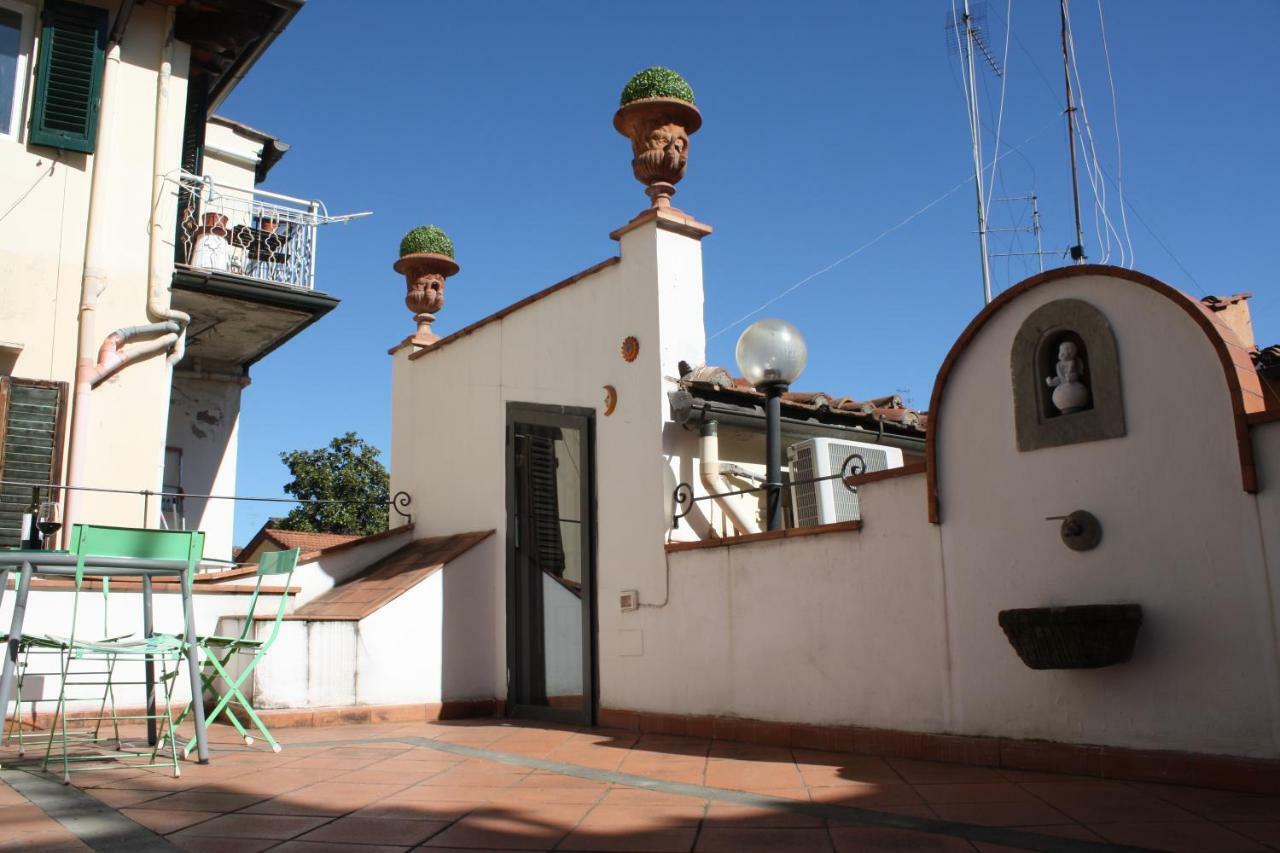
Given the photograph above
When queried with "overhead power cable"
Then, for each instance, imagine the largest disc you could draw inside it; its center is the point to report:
(885, 233)
(1115, 124)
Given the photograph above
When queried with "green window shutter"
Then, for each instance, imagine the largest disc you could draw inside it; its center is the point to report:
(73, 45)
(31, 426)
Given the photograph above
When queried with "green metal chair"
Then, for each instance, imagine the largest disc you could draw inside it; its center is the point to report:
(219, 651)
(166, 649)
(42, 645)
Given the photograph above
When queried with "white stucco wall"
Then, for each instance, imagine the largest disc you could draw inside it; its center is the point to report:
(411, 650)
(896, 625)
(1181, 538)
(204, 424)
(42, 261)
(834, 628)
(560, 350)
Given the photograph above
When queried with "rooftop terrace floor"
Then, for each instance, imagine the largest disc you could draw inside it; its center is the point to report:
(496, 784)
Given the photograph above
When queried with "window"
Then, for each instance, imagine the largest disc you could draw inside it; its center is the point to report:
(15, 48)
(73, 50)
(31, 428)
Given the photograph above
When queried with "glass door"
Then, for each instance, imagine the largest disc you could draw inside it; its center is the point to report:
(550, 563)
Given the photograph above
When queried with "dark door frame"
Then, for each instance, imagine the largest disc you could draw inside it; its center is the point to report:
(542, 414)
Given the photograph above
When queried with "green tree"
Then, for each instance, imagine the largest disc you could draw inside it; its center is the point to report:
(347, 470)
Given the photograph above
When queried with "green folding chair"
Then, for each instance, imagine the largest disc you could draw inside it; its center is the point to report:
(219, 651)
(165, 649)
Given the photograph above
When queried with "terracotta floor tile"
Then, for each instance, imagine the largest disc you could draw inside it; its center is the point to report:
(206, 801)
(919, 810)
(615, 841)
(866, 839)
(165, 821)
(745, 840)
(938, 772)
(433, 811)
(526, 794)
(335, 847)
(1070, 830)
(445, 794)
(734, 815)
(372, 830)
(546, 779)
(1181, 836)
(746, 775)
(324, 798)
(749, 751)
(974, 792)
(1216, 805)
(624, 796)
(378, 776)
(205, 844)
(1268, 832)
(504, 828)
(119, 797)
(849, 770)
(1000, 814)
(634, 818)
(867, 796)
(1106, 802)
(242, 825)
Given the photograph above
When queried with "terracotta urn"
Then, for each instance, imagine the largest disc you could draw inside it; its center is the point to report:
(424, 274)
(658, 116)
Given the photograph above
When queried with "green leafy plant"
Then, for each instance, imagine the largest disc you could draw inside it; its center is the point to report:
(347, 470)
(656, 82)
(426, 238)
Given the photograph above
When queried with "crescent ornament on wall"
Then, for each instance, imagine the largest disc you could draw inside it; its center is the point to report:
(610, 399)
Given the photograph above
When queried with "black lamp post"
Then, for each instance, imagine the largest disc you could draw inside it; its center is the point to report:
(771, 354)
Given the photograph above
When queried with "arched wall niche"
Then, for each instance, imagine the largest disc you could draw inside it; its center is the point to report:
(1094, 368)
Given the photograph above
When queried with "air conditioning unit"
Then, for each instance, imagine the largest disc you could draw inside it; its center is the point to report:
(828, 501)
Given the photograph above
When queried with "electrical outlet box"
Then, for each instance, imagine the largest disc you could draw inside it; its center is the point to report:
(630, 600)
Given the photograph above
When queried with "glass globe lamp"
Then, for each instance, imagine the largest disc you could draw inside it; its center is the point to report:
(771, 354)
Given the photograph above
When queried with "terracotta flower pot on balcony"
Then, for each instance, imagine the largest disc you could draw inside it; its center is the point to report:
(1086, 636)
(215, 223)
(658, 116)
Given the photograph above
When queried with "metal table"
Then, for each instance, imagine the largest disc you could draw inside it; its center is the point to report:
(63, 564)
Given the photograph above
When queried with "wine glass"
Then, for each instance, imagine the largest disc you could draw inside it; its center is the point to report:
(49, 521)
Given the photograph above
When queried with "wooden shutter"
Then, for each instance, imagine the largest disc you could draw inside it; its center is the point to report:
(73, 45)
(193, 133)
(544, 504)
(32, 416)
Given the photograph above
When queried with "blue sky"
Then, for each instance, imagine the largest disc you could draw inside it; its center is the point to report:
(825, 124)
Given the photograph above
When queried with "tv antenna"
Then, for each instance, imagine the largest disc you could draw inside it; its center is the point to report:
(966, 39)
(1034, 228)
(1077, 251)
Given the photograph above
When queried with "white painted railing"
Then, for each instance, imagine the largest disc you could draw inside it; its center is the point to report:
(253, 233)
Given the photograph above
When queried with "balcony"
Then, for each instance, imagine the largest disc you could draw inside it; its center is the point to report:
(246, 268)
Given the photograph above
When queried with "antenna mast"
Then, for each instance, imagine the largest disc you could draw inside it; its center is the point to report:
(975, 133)
(1077, 251)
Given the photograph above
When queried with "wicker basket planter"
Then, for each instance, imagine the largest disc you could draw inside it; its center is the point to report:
(1083, 637)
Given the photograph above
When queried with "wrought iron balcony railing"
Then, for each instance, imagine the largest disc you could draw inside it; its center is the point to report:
(253, 233)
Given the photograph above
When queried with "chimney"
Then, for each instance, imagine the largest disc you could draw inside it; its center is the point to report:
(1234, 311)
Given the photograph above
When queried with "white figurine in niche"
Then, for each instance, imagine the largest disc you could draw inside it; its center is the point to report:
(1070, 394)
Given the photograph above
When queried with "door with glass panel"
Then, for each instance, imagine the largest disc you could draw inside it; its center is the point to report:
(550, 562)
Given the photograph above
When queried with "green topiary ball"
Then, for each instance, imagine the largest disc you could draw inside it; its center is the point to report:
(656, 82)
(426, 238)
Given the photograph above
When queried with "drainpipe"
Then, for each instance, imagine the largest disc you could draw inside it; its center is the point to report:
(92, 283)
(157, 268)
(113, 356)
(713, 479)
